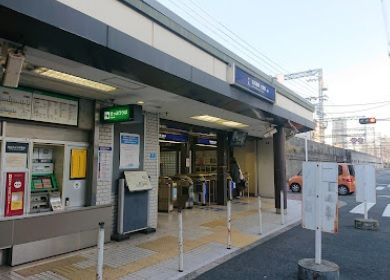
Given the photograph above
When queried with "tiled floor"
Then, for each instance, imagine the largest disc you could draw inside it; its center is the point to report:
(155, 256)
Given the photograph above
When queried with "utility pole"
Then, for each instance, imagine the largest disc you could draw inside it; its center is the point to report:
(320, 112)
(322, 124)
(386, 21)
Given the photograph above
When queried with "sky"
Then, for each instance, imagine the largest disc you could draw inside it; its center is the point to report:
(347, 39)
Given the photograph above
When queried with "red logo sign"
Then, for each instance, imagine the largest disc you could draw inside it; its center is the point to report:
(15, 187)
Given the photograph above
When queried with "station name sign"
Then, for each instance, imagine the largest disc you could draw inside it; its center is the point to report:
(117, 114)
(244, 80)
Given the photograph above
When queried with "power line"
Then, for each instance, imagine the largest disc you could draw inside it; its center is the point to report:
(278, 66)
(360, 104)
(254, 55)
(360, 110)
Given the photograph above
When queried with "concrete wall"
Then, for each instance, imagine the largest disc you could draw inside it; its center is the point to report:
(144, 29)
(295, 155)
(152, 33)
(266, 167)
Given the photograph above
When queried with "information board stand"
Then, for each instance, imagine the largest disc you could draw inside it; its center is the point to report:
(133, 203)
(320, 213)
(365, 193)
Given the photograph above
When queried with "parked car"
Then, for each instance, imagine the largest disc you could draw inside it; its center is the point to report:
(346, 180)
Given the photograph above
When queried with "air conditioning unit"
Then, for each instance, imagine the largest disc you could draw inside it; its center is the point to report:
(13, 69)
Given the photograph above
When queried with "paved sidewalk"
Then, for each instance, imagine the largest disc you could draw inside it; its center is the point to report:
(155, 256)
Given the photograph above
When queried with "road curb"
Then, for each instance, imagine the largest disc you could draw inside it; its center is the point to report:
(194, 274)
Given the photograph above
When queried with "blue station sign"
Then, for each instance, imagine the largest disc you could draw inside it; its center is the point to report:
(254, 85)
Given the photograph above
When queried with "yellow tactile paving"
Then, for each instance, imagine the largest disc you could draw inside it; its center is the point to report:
(30, 271)
(239, 239)
(163, 244)
(246, 213)
(215, 223)
(76, 274)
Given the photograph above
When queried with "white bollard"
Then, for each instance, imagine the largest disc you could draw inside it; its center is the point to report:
(229, 224)
(318, 245)
(260, 215)
(100, 248)
(181, 250)
(365, 210)
(282, 206)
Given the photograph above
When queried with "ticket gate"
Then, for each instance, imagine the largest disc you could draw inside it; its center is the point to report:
(185, 191)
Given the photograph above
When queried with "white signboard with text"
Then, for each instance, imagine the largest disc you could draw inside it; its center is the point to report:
(137, 181)
(129, 151)
(36, 106)
(15, 103)
(54, 110)
(365, 183)
(320, 196)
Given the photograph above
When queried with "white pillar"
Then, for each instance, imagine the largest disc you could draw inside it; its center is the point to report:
(100, 248)
(181, 251)
(229, 225)
(282, 206)
(306, 151)
(260, 215)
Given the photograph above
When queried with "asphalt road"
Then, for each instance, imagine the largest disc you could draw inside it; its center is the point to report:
(360, 254)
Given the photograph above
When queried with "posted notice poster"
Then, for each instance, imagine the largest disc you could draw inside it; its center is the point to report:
(15, 188)
(319, 196)
(129, 151)
(16, 155)
(105, 163)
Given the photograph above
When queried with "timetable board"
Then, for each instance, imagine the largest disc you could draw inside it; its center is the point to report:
(37, 106)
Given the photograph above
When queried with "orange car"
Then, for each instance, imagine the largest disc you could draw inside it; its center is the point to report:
(346, 180)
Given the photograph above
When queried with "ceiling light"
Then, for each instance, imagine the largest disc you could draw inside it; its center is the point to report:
(170, 141)
(207, 118)
(140, 102)
(50, 73)
(211, 119)
(204, 145)
(234, 124)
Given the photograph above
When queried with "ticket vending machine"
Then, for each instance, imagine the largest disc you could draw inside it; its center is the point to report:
(44, 176)
(133, 202)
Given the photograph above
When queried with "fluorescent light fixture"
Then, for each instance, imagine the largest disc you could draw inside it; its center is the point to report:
(207, 118)
(140, 102)
(211, 119)
(204, 145)
(233, 124)
(53, 74)
(170, 141)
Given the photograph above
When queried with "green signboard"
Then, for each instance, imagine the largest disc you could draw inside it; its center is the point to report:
(117, 114)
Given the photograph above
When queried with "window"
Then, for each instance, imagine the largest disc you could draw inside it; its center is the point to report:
(351, 170)
(340, 170)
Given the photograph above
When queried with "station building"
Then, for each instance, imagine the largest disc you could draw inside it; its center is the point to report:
(94, 92)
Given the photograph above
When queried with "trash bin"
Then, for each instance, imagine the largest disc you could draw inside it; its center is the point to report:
(167, 194)
(185, 192)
